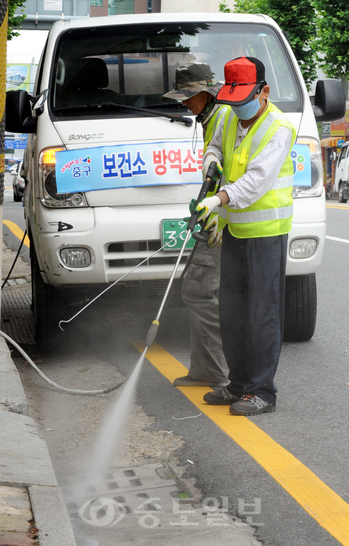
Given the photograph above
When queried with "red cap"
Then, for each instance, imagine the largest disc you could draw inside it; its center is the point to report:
(244, 76)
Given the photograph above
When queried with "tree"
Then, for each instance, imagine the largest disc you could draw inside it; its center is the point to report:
(14, 21)
(333, 39)
(298, 20)
(223, 6)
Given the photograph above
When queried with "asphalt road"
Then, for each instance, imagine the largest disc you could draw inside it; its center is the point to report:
(285, 473)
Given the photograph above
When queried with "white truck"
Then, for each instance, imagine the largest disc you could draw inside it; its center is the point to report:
(341, 175)
(111, 168)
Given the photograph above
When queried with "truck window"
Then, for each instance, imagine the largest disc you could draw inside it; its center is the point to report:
(134, 65)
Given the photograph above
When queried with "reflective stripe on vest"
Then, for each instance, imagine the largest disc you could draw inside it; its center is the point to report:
(264, 215)
(282, 183)
(261, 131)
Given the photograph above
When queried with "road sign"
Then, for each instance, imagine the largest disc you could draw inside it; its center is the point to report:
(16, 143)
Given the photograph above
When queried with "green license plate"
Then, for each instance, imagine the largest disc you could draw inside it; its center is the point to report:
(170, 229)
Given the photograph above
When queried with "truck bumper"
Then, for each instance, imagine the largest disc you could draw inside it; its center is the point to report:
(117, 239)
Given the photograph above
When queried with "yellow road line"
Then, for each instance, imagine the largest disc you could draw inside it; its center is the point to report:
(323, 504)
(17, 231)
(337, 207)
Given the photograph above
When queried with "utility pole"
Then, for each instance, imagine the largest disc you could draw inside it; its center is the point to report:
(3, 46)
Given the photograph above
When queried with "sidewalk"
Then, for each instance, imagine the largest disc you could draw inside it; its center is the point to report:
(32, 510)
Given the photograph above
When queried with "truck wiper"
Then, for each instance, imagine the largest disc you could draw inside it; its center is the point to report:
(188, 122)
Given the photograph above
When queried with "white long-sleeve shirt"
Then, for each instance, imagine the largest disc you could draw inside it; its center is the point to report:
(261, 172)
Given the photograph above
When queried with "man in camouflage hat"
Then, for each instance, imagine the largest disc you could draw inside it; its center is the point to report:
(196, 87)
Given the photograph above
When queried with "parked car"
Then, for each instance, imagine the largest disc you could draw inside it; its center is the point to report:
(341, 177)
(18, 182)
(13, 169)
(12, 165)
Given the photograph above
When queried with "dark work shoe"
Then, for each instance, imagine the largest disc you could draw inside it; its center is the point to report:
(188, 381)
(249, 404)
(220, 397)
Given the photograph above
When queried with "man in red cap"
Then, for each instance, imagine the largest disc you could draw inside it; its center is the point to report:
(253, 143)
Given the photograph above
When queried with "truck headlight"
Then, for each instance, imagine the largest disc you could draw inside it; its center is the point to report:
(74, 257)
(315, 182)
(48, 187)
(302, 248)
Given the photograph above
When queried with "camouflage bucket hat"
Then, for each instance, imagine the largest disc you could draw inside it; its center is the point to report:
(191, 79)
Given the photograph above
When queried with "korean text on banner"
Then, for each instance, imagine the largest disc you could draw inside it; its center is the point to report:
(128, 166)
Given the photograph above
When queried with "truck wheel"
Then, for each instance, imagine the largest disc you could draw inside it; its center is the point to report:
(48, 310)
(15, 195)
(300, 308)
(340, 195)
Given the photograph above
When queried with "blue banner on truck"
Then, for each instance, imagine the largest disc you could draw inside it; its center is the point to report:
(128, 166)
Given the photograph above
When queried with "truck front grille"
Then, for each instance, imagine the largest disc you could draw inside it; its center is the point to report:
(128, 254)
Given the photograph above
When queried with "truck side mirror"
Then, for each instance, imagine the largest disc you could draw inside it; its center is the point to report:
(333, 156)
(330, 101)
(19, 117)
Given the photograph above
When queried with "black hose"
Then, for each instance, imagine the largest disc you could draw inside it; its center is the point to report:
(15, 260)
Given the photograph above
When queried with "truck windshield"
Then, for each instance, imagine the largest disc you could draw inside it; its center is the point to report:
(134, 65)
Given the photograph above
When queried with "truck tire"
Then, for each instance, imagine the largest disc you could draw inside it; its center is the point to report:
(340, 194)
(48, 309)
(16, 197)
(300, 307)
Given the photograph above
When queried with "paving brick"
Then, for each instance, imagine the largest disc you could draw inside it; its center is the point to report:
(16, 539)
(15, 512)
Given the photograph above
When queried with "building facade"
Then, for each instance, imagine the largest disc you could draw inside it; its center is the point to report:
(192, 6)
(99, 8)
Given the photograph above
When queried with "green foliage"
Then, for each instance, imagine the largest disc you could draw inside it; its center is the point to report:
(333, 39)
(224, 7)
(298, 20)
(14, 21)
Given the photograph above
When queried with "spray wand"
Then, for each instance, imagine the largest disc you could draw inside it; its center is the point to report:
(208, 185)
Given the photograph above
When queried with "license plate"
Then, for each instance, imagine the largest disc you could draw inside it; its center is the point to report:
(171, 229)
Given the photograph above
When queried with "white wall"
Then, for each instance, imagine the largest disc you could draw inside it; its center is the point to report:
(175, 6)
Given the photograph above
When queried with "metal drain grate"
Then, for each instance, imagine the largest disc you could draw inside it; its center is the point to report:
(17, 319)
(130, 487)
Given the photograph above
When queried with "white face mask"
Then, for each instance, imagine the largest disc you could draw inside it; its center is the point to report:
(247, 111)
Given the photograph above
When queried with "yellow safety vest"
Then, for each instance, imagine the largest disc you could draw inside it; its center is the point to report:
(272, 214)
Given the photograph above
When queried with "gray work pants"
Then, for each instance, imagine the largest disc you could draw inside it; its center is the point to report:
(252, 309)
(200, 293)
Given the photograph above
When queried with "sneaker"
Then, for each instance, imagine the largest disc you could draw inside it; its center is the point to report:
(221, 397)
(249, 404)
(188, 381)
